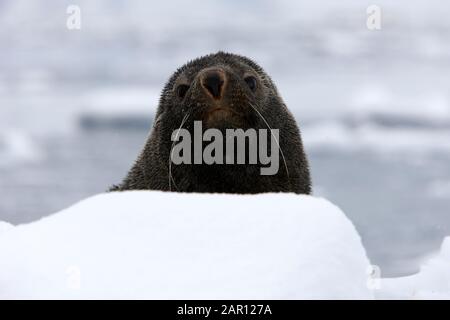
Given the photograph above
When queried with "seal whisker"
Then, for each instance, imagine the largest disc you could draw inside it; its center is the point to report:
(171, 180)
(276, 140)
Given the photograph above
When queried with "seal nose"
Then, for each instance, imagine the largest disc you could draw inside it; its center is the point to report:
(213, 81)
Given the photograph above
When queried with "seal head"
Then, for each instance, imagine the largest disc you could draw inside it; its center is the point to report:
(222, 91)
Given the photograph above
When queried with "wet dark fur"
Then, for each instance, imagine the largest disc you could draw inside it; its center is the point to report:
(151, 169)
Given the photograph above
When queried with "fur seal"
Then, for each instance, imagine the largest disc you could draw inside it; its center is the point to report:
(222, 90)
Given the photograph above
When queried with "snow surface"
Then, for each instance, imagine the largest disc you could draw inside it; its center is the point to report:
(4, 227)
(186, 246)
(156, 245)
(432, 282)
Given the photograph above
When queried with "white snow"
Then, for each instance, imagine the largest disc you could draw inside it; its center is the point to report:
(156, 245)
(432, 282)
(186, 246)
(4, 227)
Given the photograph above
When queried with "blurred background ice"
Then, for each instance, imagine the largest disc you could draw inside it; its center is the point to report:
(373, 106)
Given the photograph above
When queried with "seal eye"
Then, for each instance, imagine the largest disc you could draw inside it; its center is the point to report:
(251, 82)
(181, 90)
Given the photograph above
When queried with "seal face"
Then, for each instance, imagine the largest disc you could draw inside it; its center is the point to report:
(222, 91)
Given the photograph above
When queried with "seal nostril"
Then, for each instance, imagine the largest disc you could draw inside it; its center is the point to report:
(213, 82)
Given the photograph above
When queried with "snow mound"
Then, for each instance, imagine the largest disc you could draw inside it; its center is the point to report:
(432, 282)
(159, 245)
(4, 227)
